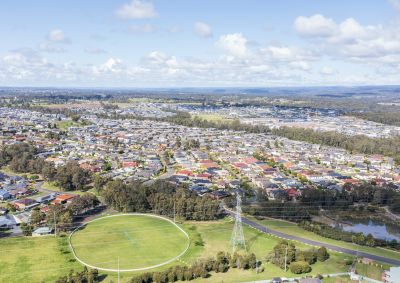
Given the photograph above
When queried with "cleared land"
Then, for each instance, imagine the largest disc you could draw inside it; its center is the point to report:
(137, 241)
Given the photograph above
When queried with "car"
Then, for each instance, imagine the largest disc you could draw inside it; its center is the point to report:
(276, 280)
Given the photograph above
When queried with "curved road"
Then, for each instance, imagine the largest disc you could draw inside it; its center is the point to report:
(395, 262)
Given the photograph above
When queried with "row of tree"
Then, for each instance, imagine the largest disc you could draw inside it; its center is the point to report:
(286, 255)
(161, 197)
(85, 276)
(201, 269)
(368, 193)
(290, 211)
(351, 237)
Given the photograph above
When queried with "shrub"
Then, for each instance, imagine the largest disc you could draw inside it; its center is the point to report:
(299, 267)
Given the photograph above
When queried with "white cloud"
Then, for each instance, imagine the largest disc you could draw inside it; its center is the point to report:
(203, 29)
(327, 71)
(300, 65)
(350, 40)
(111, 66)
(281, 53)
(57, 35)
(137, 9)
(316, 25)
(146, 28)
(235, 44)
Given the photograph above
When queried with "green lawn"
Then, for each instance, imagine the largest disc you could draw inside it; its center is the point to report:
(371, 271)
(138, 241)
(35, 259)
(63, 125)
(213, 117)
(48, 258)
(293, 229)
(216, 236)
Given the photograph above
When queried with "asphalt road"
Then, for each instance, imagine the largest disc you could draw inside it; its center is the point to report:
(166, 175)
(395, 262)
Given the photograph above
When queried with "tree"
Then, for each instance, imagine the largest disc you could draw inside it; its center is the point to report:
(37, 217)
(322, 254)
(299, 267)
(63, 217)
(75, 118)
(26, 229)
(284, 251)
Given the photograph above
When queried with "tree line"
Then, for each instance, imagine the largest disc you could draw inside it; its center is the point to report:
(380, 116)
(367, 193)
(351, 237)
(221, 263)
(161, 197)
(290, 211)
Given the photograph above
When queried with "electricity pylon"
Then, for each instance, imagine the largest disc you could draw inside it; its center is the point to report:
(237, 239)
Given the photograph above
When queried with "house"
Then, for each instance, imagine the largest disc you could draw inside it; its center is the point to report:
(7, 221)
(3, 211)
(128, 164)
(46, 198)
(220, 194)
(25, 203)
(42, 231)
(63, 199)
(4, 195)
(185, 173)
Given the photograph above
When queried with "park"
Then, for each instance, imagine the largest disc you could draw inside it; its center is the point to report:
(128, 242)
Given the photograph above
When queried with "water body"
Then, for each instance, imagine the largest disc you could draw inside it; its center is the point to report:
(377, 229)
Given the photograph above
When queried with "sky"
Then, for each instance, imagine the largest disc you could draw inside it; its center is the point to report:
(192, 43)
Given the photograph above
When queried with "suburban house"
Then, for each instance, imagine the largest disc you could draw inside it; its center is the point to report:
(4, 195)
(42, 231)
(25, 203)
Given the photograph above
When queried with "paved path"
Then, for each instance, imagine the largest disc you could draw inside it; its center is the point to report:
(395, 262)
(38, 186)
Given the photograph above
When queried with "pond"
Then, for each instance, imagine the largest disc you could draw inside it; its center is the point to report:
(378, 230)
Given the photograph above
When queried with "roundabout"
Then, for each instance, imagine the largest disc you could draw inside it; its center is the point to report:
(128, 242)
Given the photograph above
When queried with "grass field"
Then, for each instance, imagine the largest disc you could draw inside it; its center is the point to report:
(213, 117)
(35, 259)
(66, 124)
(216, 236)
(371, 271)
(44, 259)
(138, 241)
(293, 229)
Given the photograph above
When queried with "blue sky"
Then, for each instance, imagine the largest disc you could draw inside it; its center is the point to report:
(169, 43)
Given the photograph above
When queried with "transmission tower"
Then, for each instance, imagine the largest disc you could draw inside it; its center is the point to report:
(237, 239)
